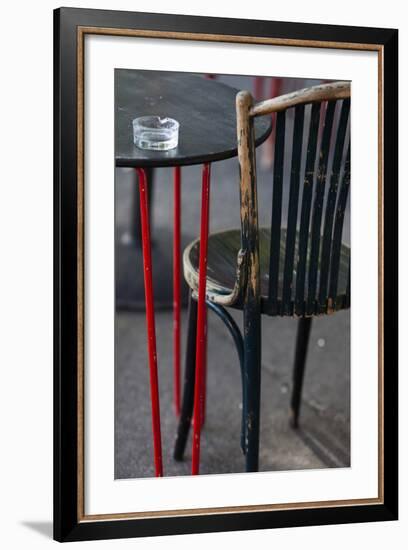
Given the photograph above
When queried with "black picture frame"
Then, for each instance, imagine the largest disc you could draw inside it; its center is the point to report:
(67, 523)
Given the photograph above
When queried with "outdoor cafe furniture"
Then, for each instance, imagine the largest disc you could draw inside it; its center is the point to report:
(205, 110)
(295, 267)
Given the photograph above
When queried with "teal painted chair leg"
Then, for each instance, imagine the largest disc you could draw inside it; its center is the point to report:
(302, 342)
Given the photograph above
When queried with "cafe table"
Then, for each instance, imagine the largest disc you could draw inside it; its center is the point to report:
(205, 110)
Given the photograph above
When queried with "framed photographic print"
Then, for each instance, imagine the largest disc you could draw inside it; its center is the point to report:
(225, 274)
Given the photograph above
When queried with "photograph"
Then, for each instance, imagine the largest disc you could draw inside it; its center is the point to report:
(273, 398)
(225, 307)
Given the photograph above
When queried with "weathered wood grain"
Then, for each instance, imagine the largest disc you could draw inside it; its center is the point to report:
(315, 94)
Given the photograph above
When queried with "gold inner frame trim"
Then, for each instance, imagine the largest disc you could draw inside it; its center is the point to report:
(81, 32)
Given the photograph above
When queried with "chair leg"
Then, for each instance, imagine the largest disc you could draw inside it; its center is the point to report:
(233, 329)
(189, 377)
(252, 390)
(302, 341)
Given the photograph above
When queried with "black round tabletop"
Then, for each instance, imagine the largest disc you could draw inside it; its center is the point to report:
(204, 108)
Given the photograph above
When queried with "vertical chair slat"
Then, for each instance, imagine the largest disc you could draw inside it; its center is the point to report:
(305, 213)
(330, 206)
(318, 207)
(338, 230)
(276, 212)
(292, 210)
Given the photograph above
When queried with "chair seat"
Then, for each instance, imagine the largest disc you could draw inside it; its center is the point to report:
(223, 248)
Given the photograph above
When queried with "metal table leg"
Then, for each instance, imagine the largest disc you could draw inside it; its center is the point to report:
(201, 319)
(150, 321)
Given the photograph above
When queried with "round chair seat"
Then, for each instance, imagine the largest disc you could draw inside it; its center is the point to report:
(223, 248)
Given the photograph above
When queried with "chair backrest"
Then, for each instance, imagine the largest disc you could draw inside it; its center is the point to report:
(304, 276)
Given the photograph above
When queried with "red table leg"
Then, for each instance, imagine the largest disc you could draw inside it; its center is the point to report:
(204, 381)
(201, 318)
(276, 88)
(177, 287)
(258, 88)
(150, 322)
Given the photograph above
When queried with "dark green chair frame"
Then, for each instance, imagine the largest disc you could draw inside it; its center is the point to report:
(304, 278)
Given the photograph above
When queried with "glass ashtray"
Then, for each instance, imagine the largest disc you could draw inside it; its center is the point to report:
(155, 133)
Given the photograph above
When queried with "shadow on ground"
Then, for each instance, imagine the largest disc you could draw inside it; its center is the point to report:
(44, 528)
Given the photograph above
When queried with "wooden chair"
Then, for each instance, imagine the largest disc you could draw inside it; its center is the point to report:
(295, 267)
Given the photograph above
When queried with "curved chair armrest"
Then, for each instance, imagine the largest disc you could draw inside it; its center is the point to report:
(218, 297)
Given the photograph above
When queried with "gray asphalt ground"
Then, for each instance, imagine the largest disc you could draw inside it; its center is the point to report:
(323, 439)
